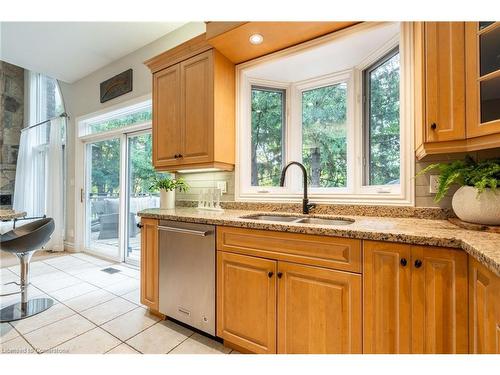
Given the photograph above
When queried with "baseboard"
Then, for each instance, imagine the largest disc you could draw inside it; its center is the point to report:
(70, 247)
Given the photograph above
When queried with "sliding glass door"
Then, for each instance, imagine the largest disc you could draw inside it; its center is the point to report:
(140, 178)
(103, 197)
(119, 175)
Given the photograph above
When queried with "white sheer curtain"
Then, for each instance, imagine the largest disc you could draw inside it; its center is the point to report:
(40, 176)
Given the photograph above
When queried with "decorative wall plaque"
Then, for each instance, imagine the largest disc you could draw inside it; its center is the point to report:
(116, 86)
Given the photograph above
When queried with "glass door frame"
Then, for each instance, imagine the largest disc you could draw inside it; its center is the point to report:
(123, 134)
(127, 170)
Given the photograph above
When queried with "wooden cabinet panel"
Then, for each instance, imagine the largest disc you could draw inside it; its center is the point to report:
(445, 81)
(332, 252)
(149, 263)
(386, 298)
(476, 126)
(439, 300)
(319, 310)
(197, 108)
(193, 108)
(246, 301)
(166, 117)
(484, 309)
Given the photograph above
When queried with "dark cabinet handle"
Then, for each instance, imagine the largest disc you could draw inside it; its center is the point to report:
(418, 263)
(270, 274)
(176, 156)
(434, 126)
(139, 225)
(279, 275)
(180, 155)
(403, 262)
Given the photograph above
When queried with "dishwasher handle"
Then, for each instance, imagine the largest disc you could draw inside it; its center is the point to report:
(184, 231)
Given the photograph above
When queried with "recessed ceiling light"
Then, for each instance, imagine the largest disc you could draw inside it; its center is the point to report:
(256, 39)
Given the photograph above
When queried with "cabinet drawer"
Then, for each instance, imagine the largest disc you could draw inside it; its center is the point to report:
(331, 252)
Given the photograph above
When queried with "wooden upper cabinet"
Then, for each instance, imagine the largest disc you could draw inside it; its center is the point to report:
(197, 108)
(246, 301)
(415, 299)
(167, 130)
(149, 263)
(193, 108)
(457, 86)
(319, 310)
(484, 311)
(445, 81)
(482, 48)
(439, 301)
(386, 298)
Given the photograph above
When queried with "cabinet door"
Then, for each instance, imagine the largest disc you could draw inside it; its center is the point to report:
(386, 298)
(149, 263)
(484, 312)
(439, 300)
(482, 48)
(166, 117)
(445, 81)
(319, 310)
(246, 301)
(197, 108)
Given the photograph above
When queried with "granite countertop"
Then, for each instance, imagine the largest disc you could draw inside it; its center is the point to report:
(483, 246)
(11, 214)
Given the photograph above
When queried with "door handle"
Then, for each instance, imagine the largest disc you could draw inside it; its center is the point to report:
(184, 231)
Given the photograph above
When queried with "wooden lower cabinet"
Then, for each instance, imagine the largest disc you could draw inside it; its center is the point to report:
(269, 306)
(484, 310)
(319, 310)
(246, 301)
(439, 301)
(415, 299)
(149, 263)
(386, 298)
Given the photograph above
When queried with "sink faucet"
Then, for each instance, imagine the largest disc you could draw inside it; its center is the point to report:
(306, 206)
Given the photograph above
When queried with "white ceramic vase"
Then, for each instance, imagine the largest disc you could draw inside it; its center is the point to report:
(167, 199)
(479, 209)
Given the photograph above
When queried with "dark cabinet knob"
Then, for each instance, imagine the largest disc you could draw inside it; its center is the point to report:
(176, 156)
(270, 274)
(403, 262)
(434, 126)
(418, 263)
(279, 275)
(180, 155)
(139, 225)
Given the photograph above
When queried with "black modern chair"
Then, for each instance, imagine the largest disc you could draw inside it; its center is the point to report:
(23, 242)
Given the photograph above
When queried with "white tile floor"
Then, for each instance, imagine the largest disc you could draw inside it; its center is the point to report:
(94, 312)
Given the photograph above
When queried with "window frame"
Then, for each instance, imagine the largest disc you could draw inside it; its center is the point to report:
(396, 195)
(284, 109)
(365, 94)
(336, 78)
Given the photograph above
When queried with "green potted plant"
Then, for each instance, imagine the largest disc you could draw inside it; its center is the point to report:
(478, 199)
(167, 187)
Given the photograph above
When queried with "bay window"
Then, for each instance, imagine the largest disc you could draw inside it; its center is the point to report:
(336, 107)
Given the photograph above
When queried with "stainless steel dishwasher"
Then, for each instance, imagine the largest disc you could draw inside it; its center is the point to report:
(187, 273)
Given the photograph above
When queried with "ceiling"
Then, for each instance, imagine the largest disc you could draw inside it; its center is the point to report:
(340, 54)
(69, 51)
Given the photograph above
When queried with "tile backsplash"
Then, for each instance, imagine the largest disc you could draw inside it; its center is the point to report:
(199, 181)
(423, 198)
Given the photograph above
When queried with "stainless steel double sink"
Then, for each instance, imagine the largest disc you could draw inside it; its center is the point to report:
(300, 219)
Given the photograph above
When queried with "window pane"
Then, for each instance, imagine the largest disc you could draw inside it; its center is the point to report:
(490, 99)
(267, 135)
(489, 47)
(136, 117)
(383, 126)
(324, 132)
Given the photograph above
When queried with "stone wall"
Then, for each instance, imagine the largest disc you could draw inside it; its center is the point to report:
(11, 123)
